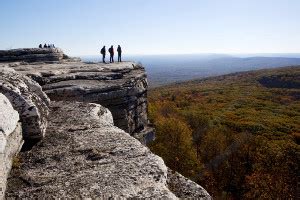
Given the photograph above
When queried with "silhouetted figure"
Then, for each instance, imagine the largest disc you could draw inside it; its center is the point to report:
(48, 45)
(111, 52)
(40, 46)
(119, 50)
(103, 52)
(45, 45)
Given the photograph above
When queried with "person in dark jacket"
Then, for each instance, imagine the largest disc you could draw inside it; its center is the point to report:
(111, 52)
(103, 52)
(45, 45)
(40, 46)
(119, 50)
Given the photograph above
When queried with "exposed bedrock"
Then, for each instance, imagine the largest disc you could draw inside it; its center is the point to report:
(85, 156)
(82, 153)
(31, 55)
(184, 188)
(10, 139)
(121, 87)
(27, 97)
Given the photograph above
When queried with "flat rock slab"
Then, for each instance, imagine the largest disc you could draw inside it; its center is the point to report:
(121, 87)
(85, 155)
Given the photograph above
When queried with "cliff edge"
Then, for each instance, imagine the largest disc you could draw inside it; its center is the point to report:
(121, 87)
(82, 144)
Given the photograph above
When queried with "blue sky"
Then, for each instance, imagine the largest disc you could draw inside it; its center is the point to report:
(82, 27)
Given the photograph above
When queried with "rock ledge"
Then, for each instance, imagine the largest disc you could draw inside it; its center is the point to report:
(121, 87)
(84, 155)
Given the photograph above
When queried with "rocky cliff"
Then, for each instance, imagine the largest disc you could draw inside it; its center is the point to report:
(121, 87)
(81, 153)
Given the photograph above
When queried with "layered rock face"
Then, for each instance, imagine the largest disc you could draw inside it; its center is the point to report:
(27, 98)
(32, 55)
(10, 139)
(121, 87)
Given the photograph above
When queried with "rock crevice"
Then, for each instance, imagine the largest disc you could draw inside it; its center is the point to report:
(93, 159)
(27, 97)
(121, 87)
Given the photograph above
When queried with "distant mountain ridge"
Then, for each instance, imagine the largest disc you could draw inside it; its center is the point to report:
(165, 69)
(192, 70)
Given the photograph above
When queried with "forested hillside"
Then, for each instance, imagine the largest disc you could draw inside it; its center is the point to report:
(237, 135)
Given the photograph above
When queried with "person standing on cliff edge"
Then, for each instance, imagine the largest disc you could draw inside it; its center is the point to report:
(111, 52)
(119, 50)
(103, 52)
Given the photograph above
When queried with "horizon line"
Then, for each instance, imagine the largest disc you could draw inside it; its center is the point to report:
(171, 54)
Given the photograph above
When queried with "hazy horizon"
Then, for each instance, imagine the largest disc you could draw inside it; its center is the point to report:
(242, 55)
(166, 69)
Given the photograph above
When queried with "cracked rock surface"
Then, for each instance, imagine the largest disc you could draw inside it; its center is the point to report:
(84, 155)
(121, 87)
(27, 97)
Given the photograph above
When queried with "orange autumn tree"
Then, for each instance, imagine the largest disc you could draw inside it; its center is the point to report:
(276, 162)
(174, 144)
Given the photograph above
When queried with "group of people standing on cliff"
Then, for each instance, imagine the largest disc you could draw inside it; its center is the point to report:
(111, 53)
(46, 46)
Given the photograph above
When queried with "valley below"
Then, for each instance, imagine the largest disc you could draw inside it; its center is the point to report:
(237, 135)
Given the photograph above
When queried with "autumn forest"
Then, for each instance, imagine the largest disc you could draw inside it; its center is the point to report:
(237, 135)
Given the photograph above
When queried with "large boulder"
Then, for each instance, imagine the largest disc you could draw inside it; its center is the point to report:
(29, 100)
(10, 139)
